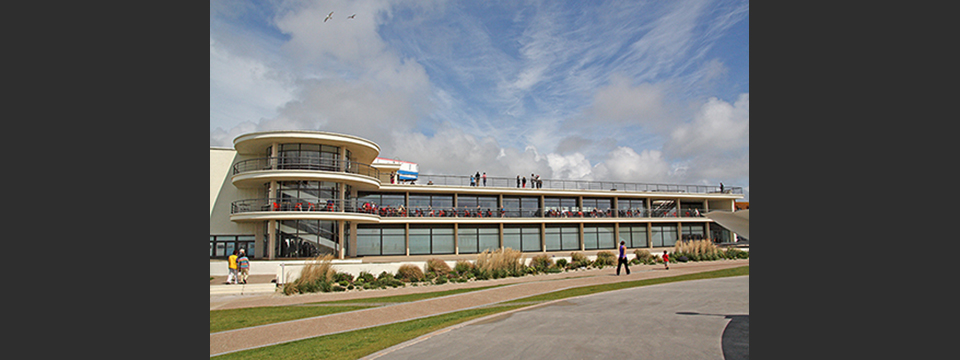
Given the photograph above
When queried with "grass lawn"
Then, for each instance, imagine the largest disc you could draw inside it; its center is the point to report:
(222, 320)
(360, 343)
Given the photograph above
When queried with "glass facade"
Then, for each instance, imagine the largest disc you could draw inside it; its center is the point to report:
(476, 239)
(380, 240)
(221, 246)
(522, 237)
(427, 239)
(663, 234)
(306, 238)
(521, 206)
(692, 232)
(634, 236)
(597, 237)
(562, 237)
(307, 157)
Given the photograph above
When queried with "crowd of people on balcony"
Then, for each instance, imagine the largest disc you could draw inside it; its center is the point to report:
(478, 212)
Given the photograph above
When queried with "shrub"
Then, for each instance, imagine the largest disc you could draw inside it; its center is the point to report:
(578, 260)
(341, 277)
(442, 279)
(409, 273)
(643, 255)
(681, 258)
(463, 268)
(605, 258)
(366, 277)
(540, 263)
(562, 263)
(438, 267)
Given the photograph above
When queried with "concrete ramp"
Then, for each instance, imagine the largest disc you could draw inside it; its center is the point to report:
(738, 221)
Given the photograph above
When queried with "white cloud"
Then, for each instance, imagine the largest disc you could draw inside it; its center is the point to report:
(717, 128)
(245, 88)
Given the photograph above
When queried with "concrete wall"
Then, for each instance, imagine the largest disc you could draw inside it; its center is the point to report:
(223, 193)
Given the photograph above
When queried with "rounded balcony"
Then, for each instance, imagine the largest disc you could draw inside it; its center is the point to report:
(292, 209)
(254, 172)
(363, 150)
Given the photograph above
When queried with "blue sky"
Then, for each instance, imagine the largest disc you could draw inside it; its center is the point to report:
(637, 91)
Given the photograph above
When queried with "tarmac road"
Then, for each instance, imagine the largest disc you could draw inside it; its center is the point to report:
(700, 319)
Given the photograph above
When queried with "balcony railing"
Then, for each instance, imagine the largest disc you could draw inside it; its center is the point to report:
(506, 182)
(305, 163)
(353, 206)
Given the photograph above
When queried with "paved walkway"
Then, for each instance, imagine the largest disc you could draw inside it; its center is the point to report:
(271, 334)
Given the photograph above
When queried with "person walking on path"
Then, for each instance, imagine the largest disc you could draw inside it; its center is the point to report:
(666, 260)
(484, 178)
(623, 259)
(232, 267)
(243, 263)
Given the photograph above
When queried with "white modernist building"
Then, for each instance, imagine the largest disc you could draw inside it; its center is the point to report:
(298, 194)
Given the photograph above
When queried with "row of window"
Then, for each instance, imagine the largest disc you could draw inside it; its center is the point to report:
(222, 246)
(439, 239)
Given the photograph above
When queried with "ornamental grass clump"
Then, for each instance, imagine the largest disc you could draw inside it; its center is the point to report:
(437, 267)
(500, 263)
(697, 250)
(409, 273)
(316, 275)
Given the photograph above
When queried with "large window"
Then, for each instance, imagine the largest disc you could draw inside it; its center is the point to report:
(525, 238)
(521, 206)
(428, 202)
(317, 193)
(431, 239)
(380, 240)
(562, 237)
(476, 239)
(597, 207)
(306, 238)
(472, 203)
(719, 234)
(634, 236)
(663, 234)
(598, 237)
(692, 232)
(560, 207)
(631, 207)
(307, 157)
(222, 246)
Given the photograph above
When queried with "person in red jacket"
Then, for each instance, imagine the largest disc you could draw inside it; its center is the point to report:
(666, 260)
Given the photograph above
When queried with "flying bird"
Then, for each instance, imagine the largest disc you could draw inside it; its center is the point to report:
(351, 16)
(329, 16)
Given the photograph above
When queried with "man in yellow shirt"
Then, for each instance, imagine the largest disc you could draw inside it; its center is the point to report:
(232, 266)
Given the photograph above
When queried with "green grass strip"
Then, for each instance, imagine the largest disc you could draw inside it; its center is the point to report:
(408, 297)
(359, 343)
(222, 320)
(592, 289)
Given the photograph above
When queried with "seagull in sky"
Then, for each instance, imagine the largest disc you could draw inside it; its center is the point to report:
(351, 16)
(329, 16)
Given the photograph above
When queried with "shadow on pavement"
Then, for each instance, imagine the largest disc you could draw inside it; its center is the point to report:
(735, 341)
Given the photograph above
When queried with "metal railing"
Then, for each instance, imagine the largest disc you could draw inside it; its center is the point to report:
(505, 182)
(305, 163)
(353, 206)
(293, 204)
